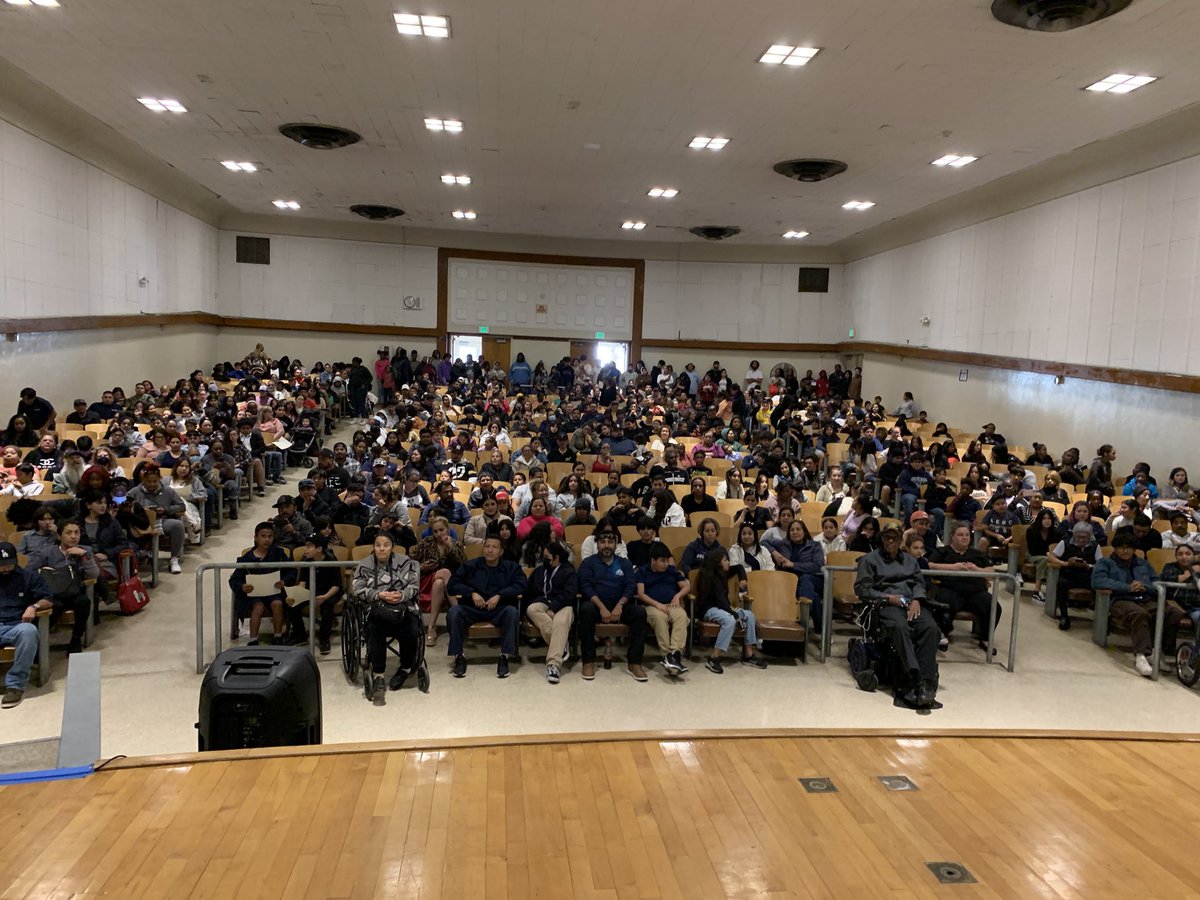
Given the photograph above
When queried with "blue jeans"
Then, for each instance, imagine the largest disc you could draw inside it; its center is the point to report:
(273, 463)
(728, 623)
(23, 638)
(460, 618)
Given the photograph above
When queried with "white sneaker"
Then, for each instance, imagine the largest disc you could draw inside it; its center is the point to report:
(1166, 664)
(176, 568)
(1142, 665)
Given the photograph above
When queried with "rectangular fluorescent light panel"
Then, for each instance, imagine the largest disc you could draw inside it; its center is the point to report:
(286, 204)
(32, 2)
(633, 226)
(154, 104)
(664, 193)
(464, 214)
(707, 143)
(956, 162)
(456, 179)
(858, 204)
(451, 125)
(426, 26)
(795, 235)
(239, 166)
(787, 55)
(1121, 84)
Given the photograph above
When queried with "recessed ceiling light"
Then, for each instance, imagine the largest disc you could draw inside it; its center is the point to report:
(858, 204)
(451, 125)
(456, 179)
(32, 2)
(707, 143)
(428, 26)
(954, 161)
(795, 235)
(1121, 84)
(464, 214)
(154, 104)
(239, 166)
(664, 193)
(286, 204)
(788, 55)
(633, 226)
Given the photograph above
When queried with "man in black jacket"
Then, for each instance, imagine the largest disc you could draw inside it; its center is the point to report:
(486, 590)
(553, 587)
(23, 595)
(359, 382)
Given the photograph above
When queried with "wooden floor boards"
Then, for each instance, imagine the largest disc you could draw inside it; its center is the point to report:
(1028, 817)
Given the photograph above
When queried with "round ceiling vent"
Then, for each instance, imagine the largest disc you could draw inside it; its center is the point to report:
(715, 232)
(810, 169)
(376, 212)
(319, 137)
(1055, 15)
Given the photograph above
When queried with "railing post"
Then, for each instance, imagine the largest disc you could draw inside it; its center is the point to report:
(200, 619)
(1159, 618)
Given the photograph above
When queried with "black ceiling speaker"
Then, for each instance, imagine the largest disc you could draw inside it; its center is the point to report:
(1055, 15)
(319, 137)
(376, 212)
(715, 232)
(810, 169)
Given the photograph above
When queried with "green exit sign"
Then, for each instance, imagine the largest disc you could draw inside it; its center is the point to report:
(599, 335)
(851, 332)
(483, 329)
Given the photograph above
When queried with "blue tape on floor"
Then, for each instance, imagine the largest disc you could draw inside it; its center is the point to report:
(46, 775)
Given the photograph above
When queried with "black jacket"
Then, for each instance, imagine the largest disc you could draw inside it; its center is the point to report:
(557, 587)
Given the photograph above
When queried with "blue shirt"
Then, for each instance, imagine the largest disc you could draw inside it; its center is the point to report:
(611, 583)
(660, 586)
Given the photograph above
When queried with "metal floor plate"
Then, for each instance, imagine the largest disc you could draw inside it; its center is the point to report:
(898, 783)
(819, 785)
(950, 873)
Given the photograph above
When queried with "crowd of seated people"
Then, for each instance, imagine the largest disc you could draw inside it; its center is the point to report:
(460, 461)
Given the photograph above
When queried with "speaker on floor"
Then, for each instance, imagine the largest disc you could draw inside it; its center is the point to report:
(260, 697)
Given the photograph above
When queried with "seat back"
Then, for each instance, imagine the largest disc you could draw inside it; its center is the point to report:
(773, 596)
(349, 534)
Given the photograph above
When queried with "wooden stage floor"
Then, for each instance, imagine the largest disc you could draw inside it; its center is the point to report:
(694, 817)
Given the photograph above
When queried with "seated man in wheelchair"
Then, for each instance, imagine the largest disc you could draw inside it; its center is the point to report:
(892, 581)
(389, 583)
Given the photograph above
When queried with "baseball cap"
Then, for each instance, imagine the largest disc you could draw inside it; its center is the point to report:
(891, 527)
(307, 483)
(380, 462)
(285, 500)
(919, 514)
(8, 553)
(502, 495)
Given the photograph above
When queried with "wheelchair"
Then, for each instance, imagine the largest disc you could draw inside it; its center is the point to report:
(357, 668)
(871, 656)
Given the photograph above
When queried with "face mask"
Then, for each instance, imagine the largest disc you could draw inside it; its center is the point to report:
(118, 500)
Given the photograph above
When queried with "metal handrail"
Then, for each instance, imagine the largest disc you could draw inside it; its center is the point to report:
(201, 663)
(994, 577)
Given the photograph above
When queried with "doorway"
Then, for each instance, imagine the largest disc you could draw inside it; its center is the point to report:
(497, 351)
(464, 345)
(614, 352)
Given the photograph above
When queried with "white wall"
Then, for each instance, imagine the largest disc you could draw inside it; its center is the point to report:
(1106, 276)
(1141, 423)
(319, 280)
(736, 362)
(752, 302)
(63, 365)
(311, 347)
(76, 240)
(510, 298)
(548, 351)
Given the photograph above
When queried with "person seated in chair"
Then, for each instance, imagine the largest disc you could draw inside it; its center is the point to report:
(1131, 580)
(713, 605)
(486, 589)
(661, 588)
(893, 579)
(70, 566)
(169, 508)
(552, 590)
(249, 604)
(23, 594)
(326, 589)
(607, 588)
(971, 595)
(389, 582)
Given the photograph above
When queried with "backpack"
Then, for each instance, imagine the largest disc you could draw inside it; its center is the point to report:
(131, 593)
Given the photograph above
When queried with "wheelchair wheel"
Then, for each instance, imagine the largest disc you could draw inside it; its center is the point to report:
(351, 641)
(861, 666)
(423, 677)
(1186, 665)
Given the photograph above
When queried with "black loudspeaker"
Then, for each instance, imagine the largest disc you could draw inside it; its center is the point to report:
(260, 697)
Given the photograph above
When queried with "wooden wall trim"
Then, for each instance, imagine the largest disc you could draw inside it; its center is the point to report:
(1164, 381)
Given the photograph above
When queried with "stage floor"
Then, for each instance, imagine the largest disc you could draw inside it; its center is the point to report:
(678, 816)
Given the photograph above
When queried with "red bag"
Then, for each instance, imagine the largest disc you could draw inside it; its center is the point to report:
(131, 593)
